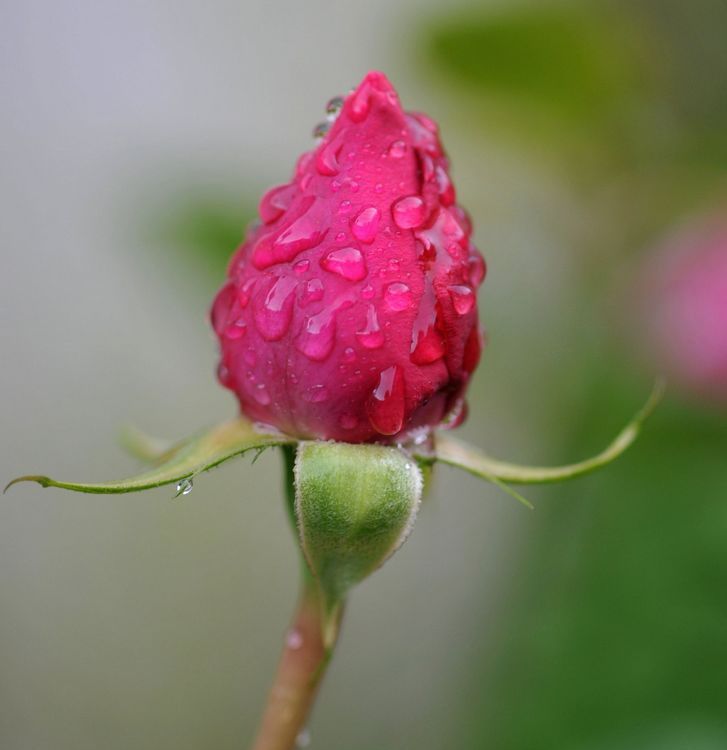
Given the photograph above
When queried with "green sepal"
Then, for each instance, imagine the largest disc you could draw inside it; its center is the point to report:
(457, 453)
(355, 505)
(182, 461)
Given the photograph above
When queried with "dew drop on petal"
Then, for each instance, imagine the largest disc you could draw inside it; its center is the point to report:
(349, 354)
(409, 212)
(397, 149)
(347, 262)
(333, 106)
(317, 338)
(301, 266)
(385, 407)
(273, 317)
(444, 186)
(371, 336)
(245, 292)
(463, 298)
(221, 308)
(477, 268)
(321, 129)
(348, 421)
(427, 344)
(344, 207)
(368, 292)
(312, 291)
(235, 331)
(316, 394)
(275, 202)
(366, 224)
(398, 297)
(261, 395)
(250, 356)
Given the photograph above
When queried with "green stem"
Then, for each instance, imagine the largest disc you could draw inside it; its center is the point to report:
(305, 654)
(299, 675)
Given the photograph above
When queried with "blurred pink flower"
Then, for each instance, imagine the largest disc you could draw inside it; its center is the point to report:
(686, 307)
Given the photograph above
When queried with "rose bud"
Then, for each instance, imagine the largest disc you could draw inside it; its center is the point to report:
(350, 310)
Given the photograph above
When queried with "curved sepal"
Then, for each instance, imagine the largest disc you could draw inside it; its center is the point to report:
(355, 505)
(181, 462)
(454, 452)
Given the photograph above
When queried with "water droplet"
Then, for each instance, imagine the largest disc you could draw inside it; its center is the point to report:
(303, 163)
(261, 395)
(398, 149)
(371, 337)
(463, 298)
(349, 354)
(327, 157)
(348, 421)
(368, 292)
(476, 267)
(386, 405)
(398, 297)
(366, 224)
(245, 292)
(427, 344)
(444, 186)
(344, 207)
(303, 739)
(302, 234)
(275, 202)
(273, 317)
(427, 167)
(236, 330)
(379, 187)
(316, 394)
(409, 212)
(304, 228)
(320, 130)
(456, 415)
(224, 375)
(341, 237)
(184, 487)
(294, 639)
(301, 267)
(312, 292)
(317, 338)
(221, 307)
(333, 106)
(347, 262)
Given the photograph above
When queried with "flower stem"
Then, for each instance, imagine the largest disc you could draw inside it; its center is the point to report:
(301, 668)
(305, 653)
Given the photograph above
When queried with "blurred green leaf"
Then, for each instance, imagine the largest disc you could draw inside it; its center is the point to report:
(619, 615)
(573, 61)
(202, 230)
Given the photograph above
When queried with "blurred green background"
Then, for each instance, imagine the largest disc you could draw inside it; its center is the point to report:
(136, 140)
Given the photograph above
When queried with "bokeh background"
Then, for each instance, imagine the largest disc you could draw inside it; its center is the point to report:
(589, 143)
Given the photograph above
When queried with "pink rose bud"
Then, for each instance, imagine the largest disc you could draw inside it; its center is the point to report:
(686, 307)
(350, 311)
